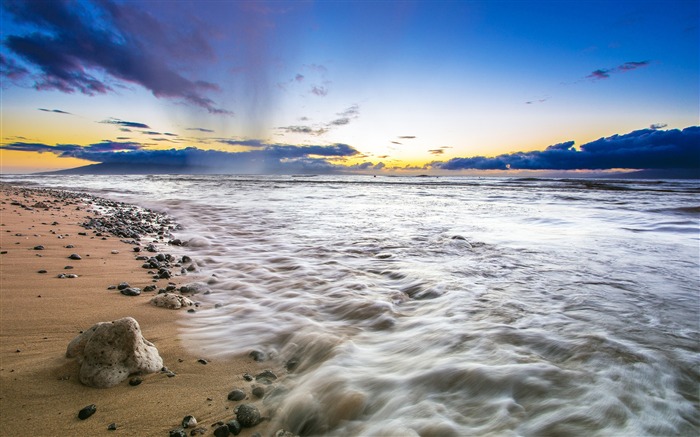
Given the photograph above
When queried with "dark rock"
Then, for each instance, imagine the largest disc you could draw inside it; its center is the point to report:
(222, 431)
(248, 415)
(266, 377)
(202, 361)
(257, 355)
(112, 427)
(247, 377)
(87, 412)
(42, 271)
(151, 248)
(123, 285)
(137, 249)
(292, 364)
(186, 259)
(258, 392)
(39, 247)
(131, 291)
(178, 432)
(199, 431)
(69, 246)
(236, 395)
(68, 268)
(135, 381)
(148, 288)
(75, 256)
(189, 421)
(234, 427)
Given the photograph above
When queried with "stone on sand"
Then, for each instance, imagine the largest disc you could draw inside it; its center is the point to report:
(109, 352)
(171, 301)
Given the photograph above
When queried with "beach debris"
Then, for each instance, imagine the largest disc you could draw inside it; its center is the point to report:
(236, 395)
(109, 352)
(171, 301)
(248, 415)
(189, 421)
(87, 412)
(75, 256)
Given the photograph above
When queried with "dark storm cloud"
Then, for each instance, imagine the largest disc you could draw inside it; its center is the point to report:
(126, 124)
(57, 111)
(642, 149)
(74, 150)
(10, 69)
(273, 158)
(112, 40)
(605, 73)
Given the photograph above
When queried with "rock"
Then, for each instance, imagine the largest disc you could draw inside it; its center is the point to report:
(222, 431)
(266, 377)
(258, 392)
(75, 256)
(257, 355)
(87, 412)
(234, 427)
(151, 248)
(194, 288)
(109, 352)
(112, 427)
(178, 432)
(123, 285)
(202, 361)
(189, 422)
(236, 395)
(171, 301)
(42, 271)
(114, 252)
(148, 288)
(135, 381)
(283, 433)
(39, 247)
(131, 291)
(199, 431)
(248, 415)
(247, 377)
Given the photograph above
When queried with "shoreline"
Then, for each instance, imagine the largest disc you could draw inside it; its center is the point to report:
(40, 392)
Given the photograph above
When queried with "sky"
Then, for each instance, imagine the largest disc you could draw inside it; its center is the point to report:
(443, 87)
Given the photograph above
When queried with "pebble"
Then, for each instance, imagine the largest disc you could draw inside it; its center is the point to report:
(189, 421)
(75, 256)
(123, 285)
(258, 392)
(248, 415)
(178, 432)
(257, 355)
(87, 412)
(222, 431)
(68, 268)
(202, 361)
(135, 381)
(234, 427)
(42, 271)
(236, 395)
(199, 431)
(247, 377)
(114, 252)
(112, 427)
(266, 377)
(131, 291)
(39, 247)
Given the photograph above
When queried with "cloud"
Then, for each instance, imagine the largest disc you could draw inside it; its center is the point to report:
(83, 47)
(150, 132)
(73, 150)
(320, 91)
(406, 137)
(604, 73)
(436, 151)
(126, 124)
(200, 129)
(10, 69)
(641, 149)
(272, 158)
(247, 143)
(657, 126)
(57, 111)
(299, 78)
(299, 129)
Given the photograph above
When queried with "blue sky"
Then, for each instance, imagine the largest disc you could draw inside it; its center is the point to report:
(399, 86)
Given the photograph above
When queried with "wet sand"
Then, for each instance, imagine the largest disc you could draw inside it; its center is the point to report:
(40, 313)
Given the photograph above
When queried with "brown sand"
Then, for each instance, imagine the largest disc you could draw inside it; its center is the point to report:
(40, 393)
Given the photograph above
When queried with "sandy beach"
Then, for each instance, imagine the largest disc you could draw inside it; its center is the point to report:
(40, 313)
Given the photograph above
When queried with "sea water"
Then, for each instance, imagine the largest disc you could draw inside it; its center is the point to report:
(443, 306)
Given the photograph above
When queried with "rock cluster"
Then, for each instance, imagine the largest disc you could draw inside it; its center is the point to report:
(109, 352)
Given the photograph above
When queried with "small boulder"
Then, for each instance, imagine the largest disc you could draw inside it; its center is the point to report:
(248, 415)
(171, 301)
(109, 352)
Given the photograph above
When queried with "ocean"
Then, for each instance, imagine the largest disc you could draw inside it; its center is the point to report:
(446, 306)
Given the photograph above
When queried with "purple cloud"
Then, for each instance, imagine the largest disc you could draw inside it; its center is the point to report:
(604, 73)
(642, 149)
(126, 124)
(320, 91)
(79, 42)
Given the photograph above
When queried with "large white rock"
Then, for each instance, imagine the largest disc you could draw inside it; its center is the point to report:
(109, 352)
(171, 301)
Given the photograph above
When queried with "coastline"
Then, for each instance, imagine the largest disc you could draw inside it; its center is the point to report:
(40, 313)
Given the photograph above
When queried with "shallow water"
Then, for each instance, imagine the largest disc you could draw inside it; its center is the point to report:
(448, 306)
